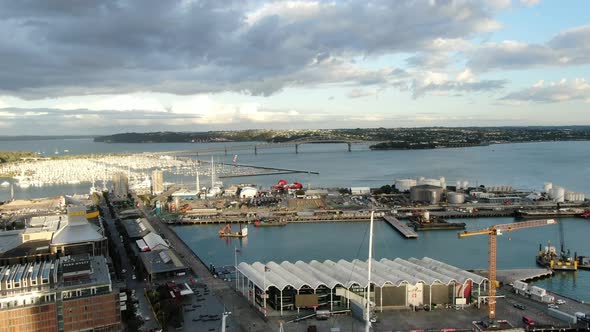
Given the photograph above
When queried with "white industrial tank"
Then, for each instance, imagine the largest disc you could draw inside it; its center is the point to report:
(558, 194)
(547, 186)
(404, 184)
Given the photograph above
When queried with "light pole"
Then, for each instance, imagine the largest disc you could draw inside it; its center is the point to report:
(223, 317)
(236, 266)
(264, 292)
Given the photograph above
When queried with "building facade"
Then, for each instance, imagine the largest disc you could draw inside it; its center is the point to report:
(120, 184)
(157, 182)
(73, 293)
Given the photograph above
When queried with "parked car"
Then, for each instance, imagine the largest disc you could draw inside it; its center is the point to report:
(554, 306)
(519, 306)
(560, 301)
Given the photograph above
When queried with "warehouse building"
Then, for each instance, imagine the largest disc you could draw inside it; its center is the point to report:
(395, 284)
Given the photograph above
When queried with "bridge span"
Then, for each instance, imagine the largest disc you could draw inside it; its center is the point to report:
(262, 146)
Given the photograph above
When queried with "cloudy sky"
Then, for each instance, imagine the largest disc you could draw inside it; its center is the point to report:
(99, 67)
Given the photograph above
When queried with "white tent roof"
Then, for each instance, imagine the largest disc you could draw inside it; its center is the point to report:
(330, 274)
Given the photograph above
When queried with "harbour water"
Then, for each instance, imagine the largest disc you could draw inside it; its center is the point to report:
(524, 166)
(349, 240)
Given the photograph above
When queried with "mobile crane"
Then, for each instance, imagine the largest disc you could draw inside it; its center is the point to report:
(494, 231)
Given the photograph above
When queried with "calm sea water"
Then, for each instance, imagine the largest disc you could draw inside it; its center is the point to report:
(334, 241)
(524, 166)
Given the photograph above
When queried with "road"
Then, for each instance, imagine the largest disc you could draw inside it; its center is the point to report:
(137, 285)
(244, 316)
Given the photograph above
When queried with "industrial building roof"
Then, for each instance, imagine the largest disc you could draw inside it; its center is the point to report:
(345, 273)
(161, 261)
(155, 241)
(136, 228)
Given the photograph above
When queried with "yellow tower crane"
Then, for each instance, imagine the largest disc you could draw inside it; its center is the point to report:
(494, 231)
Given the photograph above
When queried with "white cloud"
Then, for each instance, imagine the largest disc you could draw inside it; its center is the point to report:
(553, 92)
(530, 3)
(568, 48)
(358, 93)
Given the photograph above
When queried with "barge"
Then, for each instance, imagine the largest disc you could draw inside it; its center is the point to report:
(549, 258)
(423, 222)
(227, 231)
(544, 214)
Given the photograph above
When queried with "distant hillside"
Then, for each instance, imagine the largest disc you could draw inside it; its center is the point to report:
(10, 156)
(390, 138)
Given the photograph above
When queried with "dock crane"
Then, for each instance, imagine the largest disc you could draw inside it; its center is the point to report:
(494, 231)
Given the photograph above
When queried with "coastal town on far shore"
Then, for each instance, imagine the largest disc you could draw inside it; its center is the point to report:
(115, 250)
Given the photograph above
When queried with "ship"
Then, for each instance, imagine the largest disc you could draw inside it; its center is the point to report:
(562, 261)
(424, 222)
(268, 223)
(227, 231)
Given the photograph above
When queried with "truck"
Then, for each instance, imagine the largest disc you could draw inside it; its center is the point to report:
(563, 316)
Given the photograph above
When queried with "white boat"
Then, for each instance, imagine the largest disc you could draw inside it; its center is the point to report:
(24, 184)
(5, 184)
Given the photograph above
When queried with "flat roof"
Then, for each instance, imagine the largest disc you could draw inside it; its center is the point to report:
(44, 223)
(154, 264)
(135, 229)
(10, 240)
(348, 273)
(99, 271)
(33, 205)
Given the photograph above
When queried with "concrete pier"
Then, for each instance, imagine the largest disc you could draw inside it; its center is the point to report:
(401, 227)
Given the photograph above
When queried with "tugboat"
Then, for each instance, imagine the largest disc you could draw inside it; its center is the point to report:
(423, 222)
(227, 231)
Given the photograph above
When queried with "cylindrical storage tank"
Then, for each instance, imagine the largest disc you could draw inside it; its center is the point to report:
(458, 185)
(464, 184)
(558, 194)
(404, 184)
(426, 215)
(433, 197)
(455, 198)
(547, 187)
(426, 193)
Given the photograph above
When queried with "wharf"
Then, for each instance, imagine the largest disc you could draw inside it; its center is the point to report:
(401, 227)
(287, 219)
(512, 275)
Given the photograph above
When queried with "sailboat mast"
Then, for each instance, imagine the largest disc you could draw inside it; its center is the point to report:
(369, 264)
(212, 173)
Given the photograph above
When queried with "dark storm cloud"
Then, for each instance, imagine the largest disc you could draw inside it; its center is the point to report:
(57, 48)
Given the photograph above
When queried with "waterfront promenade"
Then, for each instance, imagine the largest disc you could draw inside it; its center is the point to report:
(244, 316)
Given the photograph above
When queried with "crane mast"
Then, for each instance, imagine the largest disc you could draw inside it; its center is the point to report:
(492, 232)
